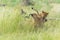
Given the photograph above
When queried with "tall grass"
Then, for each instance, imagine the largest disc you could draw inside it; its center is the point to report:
(14, 26)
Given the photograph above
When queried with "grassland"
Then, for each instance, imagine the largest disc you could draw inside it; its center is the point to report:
(14, 26)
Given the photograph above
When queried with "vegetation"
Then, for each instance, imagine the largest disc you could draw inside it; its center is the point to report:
(16, 26)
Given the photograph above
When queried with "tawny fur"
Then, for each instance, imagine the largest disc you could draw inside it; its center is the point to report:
(39, 18)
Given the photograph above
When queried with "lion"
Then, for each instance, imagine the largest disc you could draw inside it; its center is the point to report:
(39, 18)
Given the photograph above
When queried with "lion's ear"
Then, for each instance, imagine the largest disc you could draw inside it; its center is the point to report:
(44, 12)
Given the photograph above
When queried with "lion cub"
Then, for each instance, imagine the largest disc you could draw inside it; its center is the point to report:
(39, 18)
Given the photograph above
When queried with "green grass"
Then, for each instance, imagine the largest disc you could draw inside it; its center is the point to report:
(14, 26)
